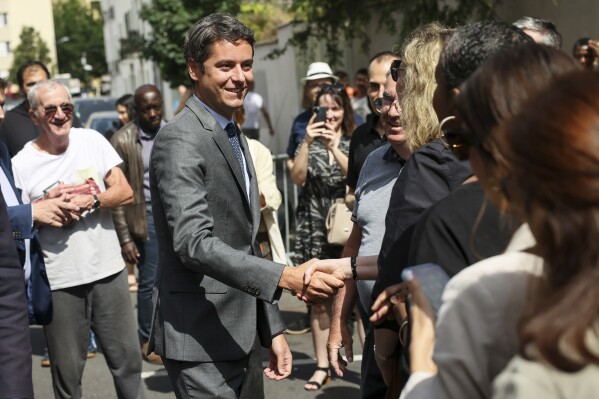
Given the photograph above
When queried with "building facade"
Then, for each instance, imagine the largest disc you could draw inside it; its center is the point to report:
(16, 14)
(123, 31)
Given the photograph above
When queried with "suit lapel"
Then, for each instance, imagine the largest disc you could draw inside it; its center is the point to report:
(220, 136)
(222, 141)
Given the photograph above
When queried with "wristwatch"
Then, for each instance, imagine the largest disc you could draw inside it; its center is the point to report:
(96, 203)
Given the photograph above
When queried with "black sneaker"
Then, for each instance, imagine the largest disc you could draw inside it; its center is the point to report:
(299, 326)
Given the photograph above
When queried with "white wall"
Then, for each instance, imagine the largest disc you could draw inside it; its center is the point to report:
(573, 18)
(278, 80)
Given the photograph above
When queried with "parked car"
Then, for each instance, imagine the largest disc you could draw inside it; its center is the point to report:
(84, 107)
(105, 122)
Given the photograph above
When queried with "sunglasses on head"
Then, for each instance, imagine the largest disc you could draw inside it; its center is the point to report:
(395, 67)
(51, 110)
(335, 88)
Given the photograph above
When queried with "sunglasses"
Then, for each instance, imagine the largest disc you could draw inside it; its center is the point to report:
(459, 142)
(395, 67)
(51, 110)
(335, 88)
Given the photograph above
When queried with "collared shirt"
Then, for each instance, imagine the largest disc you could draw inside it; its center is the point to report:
(223, 122)
(373, 191)
(364, 140)
(11, 200)
(147, 142)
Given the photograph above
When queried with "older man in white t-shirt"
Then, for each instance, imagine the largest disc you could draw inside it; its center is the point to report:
(86, 272)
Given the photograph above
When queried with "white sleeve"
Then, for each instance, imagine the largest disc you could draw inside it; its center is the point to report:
(418, 386)
(20, 184)
(107, 156)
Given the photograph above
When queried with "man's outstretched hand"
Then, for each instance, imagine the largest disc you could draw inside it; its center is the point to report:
(321, 286)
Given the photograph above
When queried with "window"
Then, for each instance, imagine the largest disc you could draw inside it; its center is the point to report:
(3, 19)
(4, 49)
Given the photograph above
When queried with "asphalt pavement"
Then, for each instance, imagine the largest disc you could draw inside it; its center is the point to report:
(97, 382)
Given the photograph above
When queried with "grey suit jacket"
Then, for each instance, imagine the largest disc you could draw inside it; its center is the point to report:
(212, 294)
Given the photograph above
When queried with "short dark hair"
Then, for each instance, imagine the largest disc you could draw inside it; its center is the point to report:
(212, 29)
(128, 102)
(3, 84)
(383, 55)
(472, 44)
(549, 33)
(362, 71)
(28, 64)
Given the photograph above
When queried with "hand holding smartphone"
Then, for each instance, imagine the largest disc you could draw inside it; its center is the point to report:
(321, 114)
(432, 279)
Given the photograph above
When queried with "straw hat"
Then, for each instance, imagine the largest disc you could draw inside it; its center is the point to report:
(319, 70)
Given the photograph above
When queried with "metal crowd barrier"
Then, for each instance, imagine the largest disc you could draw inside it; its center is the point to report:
(286, 213)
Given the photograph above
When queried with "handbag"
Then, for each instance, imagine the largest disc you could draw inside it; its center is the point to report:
(338, 223)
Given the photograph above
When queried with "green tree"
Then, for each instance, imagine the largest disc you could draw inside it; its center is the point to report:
(337, 22)
(263, 17)
(170, 20)
(80, 38)
(31, 48)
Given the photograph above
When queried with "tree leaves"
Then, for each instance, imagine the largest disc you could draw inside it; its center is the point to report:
(31, 48)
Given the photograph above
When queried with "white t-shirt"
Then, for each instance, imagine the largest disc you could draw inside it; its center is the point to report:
(87, 250)
(252, 104)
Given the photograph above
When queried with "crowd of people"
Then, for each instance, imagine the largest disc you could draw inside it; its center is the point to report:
(473, 151)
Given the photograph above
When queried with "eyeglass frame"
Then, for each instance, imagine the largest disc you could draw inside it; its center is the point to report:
(379, 103)
(51, 110)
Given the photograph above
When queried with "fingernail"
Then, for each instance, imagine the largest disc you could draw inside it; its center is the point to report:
(393, 299)
(409, 275)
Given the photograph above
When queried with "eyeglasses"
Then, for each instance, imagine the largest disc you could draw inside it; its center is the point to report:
(51, 110)
(386, 102)
(395, 67)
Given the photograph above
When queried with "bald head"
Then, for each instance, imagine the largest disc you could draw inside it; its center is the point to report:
(148, 104)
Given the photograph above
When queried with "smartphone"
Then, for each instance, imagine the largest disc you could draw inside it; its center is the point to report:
(321, 114)
(432, 279)
(51, 186)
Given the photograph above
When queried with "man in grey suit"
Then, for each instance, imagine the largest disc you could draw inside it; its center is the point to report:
(213, 293)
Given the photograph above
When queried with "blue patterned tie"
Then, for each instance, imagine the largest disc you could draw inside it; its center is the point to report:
(234, 140)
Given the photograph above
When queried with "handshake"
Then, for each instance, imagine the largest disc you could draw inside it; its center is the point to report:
(62, 204)
(311, 283)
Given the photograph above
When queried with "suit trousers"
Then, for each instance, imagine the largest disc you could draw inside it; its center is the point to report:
(238, 379)
(148, 263)
(104, 305)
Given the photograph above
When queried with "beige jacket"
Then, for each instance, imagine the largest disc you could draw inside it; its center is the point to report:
(267, 185)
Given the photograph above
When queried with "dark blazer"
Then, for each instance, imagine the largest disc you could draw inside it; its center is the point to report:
(212, 293)
(39, 295)
(15, 346)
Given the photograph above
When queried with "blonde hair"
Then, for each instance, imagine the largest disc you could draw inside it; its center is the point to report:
(420, 55)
